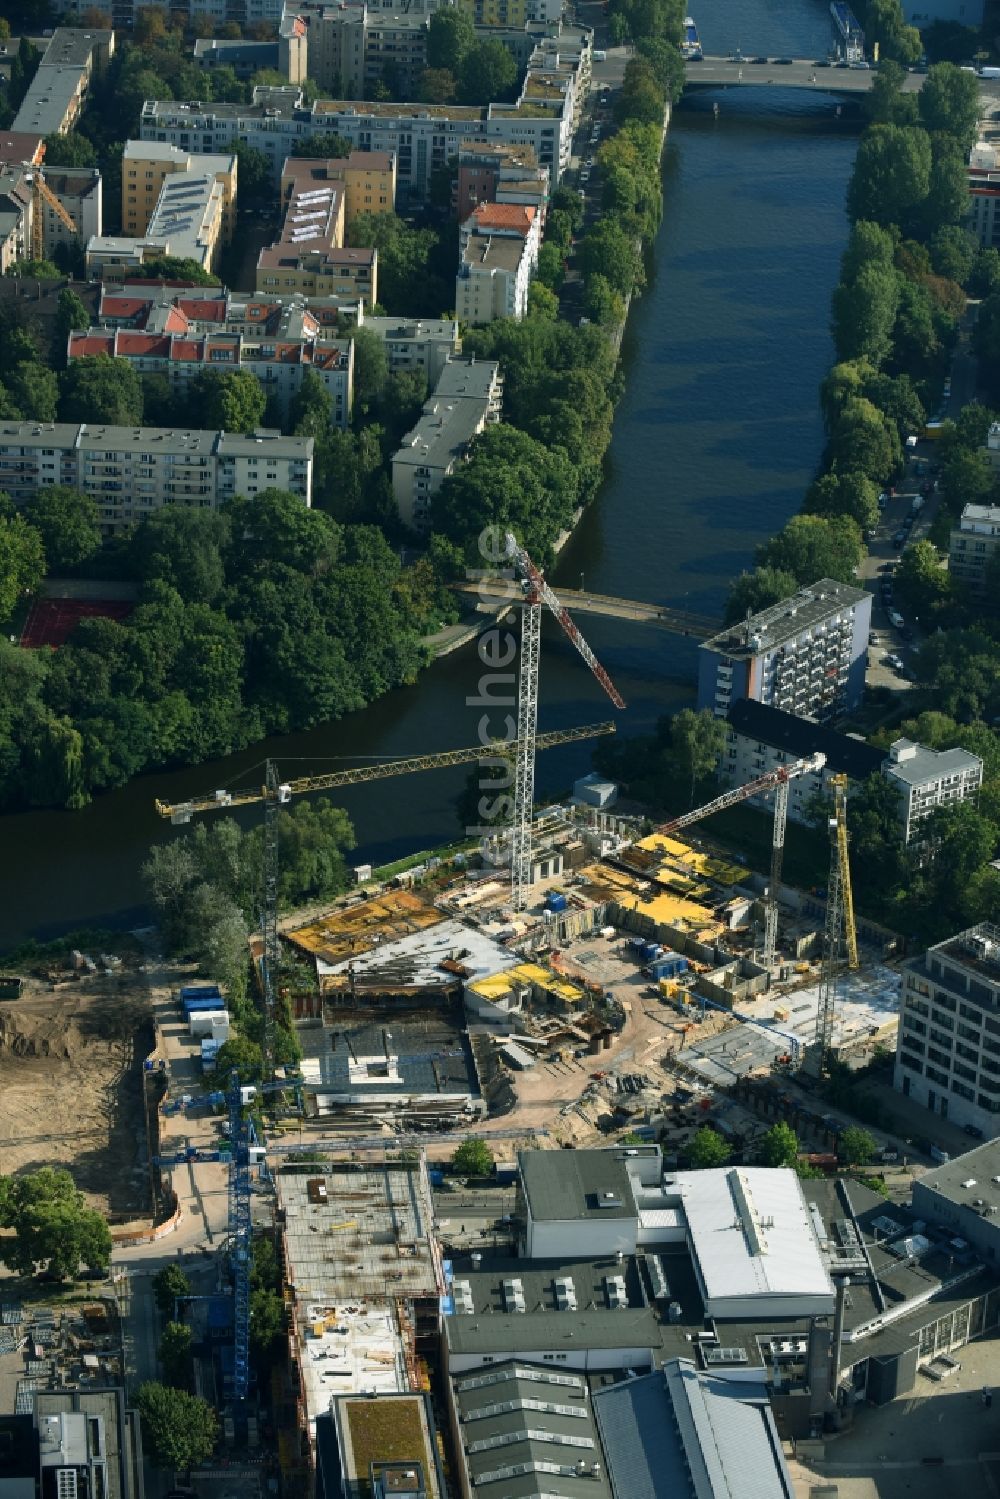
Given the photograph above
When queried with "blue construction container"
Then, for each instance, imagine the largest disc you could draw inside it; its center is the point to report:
(199, 1006)
(200, 991)
(651, 950)
(669, 964)
(556, 901)
(436, 1177)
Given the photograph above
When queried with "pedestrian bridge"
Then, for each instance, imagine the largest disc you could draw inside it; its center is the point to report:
(797, 72)
(581, 601)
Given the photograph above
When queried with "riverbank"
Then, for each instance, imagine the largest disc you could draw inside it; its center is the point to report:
(716, 436)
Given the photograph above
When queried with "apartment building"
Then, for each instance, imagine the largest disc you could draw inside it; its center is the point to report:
(974, 543)
(493, 278)
(760, 739)
(278, 354)
(21, 148)
(420, 343)
(288, 54)
(314, 213)
(948, 1050)
(984, 194)
(421, 137)
(132, 471)
(494, 173)
(926, 779)
(80, 193)
(16, 211)
(468, 395)
(290, 270)
(186, 224)
(367, 179)
(353, 46)
(807, 654)
(146, 165)
(56, 94)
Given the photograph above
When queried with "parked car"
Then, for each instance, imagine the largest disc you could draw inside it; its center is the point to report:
(896, 662)
(973, 1130)
(899, 539)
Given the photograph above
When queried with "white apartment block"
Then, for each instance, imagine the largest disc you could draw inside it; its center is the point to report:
(974, 543)
(133, 471)
(926, 779)
(16, 217)
(807, 655)
(948, 1048)
(424, 343)
(422, 137)
(493, 279)
(468, 396)
(760, 739)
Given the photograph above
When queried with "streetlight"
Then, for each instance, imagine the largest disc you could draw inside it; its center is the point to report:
(581, 583)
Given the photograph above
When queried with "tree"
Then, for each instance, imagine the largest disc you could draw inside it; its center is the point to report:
(868, 244)
(254, 169)
(100, 389)
(450, 36)
(66, 520)
(179, 1430)
(488, 73)
(953, 252)
(241, 1055)
(437, 85)
(892, 174)
(34, 391)
(169, 1285)
(69, 150)
(513, 481)
(697, 741)
(856, 1146)
(606, 250)
(752, 592)
(708, 1149)
(920, 583)
(72, 316)
(22, 562)
(371, 365)
(780, 1146)
(175, 1354)
(862, 439)
(183, 547)
(53, 1228)
(844, 494)
(864, 313)
(551, 270)
(949, 103)
(231, 402)
(473, 1157)
(813, 547)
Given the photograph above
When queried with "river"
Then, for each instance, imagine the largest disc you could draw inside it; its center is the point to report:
(715, 439)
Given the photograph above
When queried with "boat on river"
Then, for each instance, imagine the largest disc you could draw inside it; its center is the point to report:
(691, 44)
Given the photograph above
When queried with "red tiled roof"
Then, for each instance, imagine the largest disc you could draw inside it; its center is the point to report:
(83, 344)
(20, 146)
(516, 216)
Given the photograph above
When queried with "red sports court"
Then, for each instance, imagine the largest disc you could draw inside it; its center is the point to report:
(52, 621)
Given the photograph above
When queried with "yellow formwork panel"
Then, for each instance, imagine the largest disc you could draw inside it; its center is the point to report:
(355, 929)
(496, 985)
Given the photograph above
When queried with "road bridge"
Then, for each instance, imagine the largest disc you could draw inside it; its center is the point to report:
(797, 72)
(582, 601)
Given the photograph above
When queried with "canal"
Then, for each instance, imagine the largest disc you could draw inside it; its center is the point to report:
(715, 440)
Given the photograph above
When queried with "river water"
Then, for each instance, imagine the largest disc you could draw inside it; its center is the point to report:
(715, 440)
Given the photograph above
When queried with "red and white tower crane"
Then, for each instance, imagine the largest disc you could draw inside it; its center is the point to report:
(536, 592)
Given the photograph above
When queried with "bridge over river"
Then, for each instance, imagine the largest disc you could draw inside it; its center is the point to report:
(582, 601)
(796, 72)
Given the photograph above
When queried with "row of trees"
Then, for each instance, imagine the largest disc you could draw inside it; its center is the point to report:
(779, 1148)
(895, 317)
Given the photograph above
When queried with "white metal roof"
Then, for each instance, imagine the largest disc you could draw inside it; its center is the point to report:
(751, 1234)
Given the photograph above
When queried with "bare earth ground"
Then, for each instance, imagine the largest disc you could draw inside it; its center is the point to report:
(71, 1085)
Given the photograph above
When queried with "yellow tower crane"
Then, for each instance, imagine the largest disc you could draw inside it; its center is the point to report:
(274, 794)
(840, 933)
(42, 194)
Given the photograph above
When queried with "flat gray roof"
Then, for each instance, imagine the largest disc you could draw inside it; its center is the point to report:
(467, 376)
(445, 428)
(68, 435)
(566, 1184)
(810, 606)
(981, 1166)
(928, 764)
(542, 1282)
(501, 252)
(533, 1332)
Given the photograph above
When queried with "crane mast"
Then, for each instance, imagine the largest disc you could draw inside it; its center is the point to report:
(840, 931)
(535, 592)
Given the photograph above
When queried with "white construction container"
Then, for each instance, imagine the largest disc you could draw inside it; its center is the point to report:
(208, 1022)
